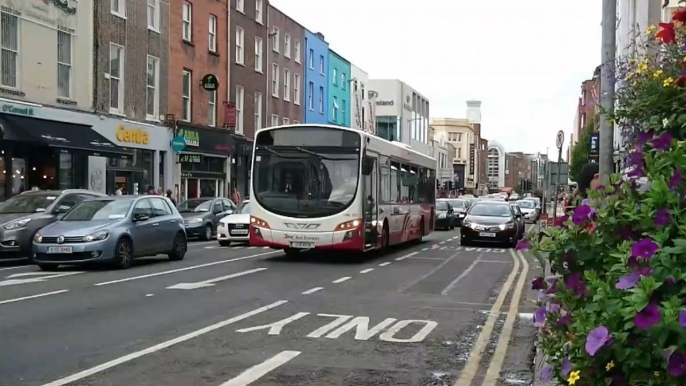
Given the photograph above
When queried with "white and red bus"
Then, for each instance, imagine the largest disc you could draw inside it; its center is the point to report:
(334, 188)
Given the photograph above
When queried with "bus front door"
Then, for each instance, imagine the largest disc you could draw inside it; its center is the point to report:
(370, 189)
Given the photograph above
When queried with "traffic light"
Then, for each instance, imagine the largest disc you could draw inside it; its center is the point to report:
(438, 184)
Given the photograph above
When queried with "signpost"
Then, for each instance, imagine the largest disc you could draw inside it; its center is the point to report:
(559, 141)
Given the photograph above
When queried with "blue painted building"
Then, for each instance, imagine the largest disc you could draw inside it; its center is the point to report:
(316, 85)
(339, 90)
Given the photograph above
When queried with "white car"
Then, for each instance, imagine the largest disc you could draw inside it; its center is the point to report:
(529, 210)
(236, 226)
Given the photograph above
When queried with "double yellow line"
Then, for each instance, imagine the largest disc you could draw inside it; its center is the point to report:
(472, 367)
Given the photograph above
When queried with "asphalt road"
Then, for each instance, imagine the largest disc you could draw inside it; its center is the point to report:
(429, 314)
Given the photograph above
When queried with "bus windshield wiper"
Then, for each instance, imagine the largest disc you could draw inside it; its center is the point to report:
(276, 153)
(300, 149)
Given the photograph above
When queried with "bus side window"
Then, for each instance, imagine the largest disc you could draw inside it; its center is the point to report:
(395, 183)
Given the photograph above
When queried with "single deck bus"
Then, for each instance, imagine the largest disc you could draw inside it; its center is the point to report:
(321, 187)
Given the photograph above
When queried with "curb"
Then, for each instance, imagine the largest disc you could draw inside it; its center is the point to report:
(540, 357)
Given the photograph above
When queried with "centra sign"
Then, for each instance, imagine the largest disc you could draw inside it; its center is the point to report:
(132, 136)
(192, 137)
(23, 110)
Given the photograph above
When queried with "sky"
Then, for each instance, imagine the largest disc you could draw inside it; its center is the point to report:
(524, 59)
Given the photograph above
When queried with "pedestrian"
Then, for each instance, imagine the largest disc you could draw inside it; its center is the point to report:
(588, 179)
(118, 192)
(169, 196)
(160, 191)
(151, 190)
(235, 196)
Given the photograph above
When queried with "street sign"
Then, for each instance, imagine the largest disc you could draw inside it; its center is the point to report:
(594, 146)
(178, 144)
(560, 139)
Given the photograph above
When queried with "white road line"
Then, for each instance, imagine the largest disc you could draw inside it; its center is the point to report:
(161, 346)
(183, 269)
(17, 267)
(442, 242)
(462, 275)
(384, 264)
(258, 371)
(426, 258)
(341, 280)
(265, 247)
(33, 296)
(430, 272)
(444, 248)
(496, 261)
(252, 247)
(425, 249)
(367, 270)
(212, 282)
(401, 258)
(312, 290)
(201, 244)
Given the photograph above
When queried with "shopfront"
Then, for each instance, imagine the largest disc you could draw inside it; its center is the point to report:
(241, 165)
(204, 161)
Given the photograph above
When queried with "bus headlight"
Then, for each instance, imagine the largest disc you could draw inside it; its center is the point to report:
(350, 225)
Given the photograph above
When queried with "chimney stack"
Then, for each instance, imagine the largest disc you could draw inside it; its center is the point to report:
(321, 36)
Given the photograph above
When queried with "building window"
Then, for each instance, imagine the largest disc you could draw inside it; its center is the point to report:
(344, 81)
(187, 94)
(63, 64)
(10, 49)
(212, 31)
(258, 54)
(335, 77)
(310, 59)
(297, 50)
(459, 153)
(240, 40)
(310, 96)
(258, 111)
(152, 110)
(187, 18)
(275, 80)
(334, 113)
(286, 85)
(296, 89)
(258, 11)
(275, 120)
(116, 76)
(276, 41)
(287, 45)
(321, 100)
(286, 121)
(459, 137)
(322, 70)
(240, 94)
(118, 7)
(212, 108)
(154, 15)
(240, 4)
(344, 111)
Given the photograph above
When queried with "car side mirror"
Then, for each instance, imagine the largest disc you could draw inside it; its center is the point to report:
(138, 217)
(62, 209)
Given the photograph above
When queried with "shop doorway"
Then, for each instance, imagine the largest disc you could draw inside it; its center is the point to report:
(202, 187)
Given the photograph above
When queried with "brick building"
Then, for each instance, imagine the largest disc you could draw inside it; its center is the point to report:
(518, 168)
(285, 70)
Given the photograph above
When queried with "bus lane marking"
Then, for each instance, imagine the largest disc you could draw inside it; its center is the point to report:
(341, 280)
(32, 297)
(260, 370)
(462, 275)
(401, 258)
(33, 277)
(384, 264)
(367, 270)
(436, 269)
(212, 282)
(312, 290)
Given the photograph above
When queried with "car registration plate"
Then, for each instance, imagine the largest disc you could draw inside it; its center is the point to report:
(301, 245)
(59, 250)
(486, 234)
(239, 232)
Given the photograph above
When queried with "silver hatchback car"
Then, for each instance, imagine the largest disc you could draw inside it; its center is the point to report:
(112, 229)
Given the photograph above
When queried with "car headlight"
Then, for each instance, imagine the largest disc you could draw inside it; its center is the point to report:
(441, 215)
(506, 226)
(16, 224)
(38, 238)
(467, 224)
(97, 236)
(195, 221)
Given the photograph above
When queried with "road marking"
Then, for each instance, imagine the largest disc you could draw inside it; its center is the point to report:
(32, 297)
(426, 258)
(43, 276)
(423, 249)
(442, 242)
(430, 273)
(211, 282)
(312, 290)
(462, 275)
(338, 320)
(367, 270)
(401, 258)
(389, 335)
(276, 327)
(498, 358)
(201, 244)
(469, 371)
(183, 269)
(444, 248)
(17, 267)
(496, 261)
(266, 247)
(258, 371)
(361, 326)
(161, 346)
(384, 264)
(434, 246)
(341, 280)
(252, 247)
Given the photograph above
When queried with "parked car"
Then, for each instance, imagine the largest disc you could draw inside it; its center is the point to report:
(23, 215)
(519, 216)
(114, 229)
(490, 221)
(460, 207)
(529, 209)
(201, 215)
(236, 226)
(445, 215)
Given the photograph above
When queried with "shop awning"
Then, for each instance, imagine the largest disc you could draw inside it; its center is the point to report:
(61, 135)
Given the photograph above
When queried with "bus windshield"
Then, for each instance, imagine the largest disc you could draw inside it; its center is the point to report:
(306, 171)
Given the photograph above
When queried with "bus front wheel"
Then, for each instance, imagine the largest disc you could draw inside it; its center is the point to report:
(384, 237)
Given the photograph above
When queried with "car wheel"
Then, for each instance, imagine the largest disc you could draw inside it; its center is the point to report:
(123, 254)
(48, 267)
(180, 247)
(207, 233)
(223, 243)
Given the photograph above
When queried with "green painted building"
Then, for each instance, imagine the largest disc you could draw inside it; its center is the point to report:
(338, 90)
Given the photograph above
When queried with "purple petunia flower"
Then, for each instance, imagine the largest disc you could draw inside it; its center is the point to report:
(676, 179)
(575, 283)
(644, 271)
(553, 308)
(662, 217)
(552, 286)
(645, 136)
(564, 320)
(636, 172)
(628, 281)
(618, 380)
(626, 232)
(581, 214)
(547, 373)
(663, 142)
(644, 249)
(523, 245)
(682, 318)
(596, 339)
(539, 317)
(647, 317)
(676, 364)
(538, 284)
(566, 367)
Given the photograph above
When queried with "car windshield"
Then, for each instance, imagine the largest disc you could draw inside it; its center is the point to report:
(96, 210)
(27, 203)
(490, 210)
(441, 205)
(243, 208)
(195, 205)
(526, 204)
(306, 171)
(459, 203)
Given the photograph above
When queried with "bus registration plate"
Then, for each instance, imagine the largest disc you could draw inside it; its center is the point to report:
(301, 245)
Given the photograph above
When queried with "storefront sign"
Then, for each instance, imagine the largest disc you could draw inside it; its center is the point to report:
(192, 137)
(137, 136)
(385, 103)
(229, 114)
(178, 144)
(21, 110)
(210, 82)
(594, 145)
(472, 159)
(56, 14)
(190, 158)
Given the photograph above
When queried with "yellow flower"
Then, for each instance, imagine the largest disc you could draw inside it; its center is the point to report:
(643, 67)
(656, 374)
(573, 377)
(668, 81)
(657, 74)
(610, 365)
(650, 30)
